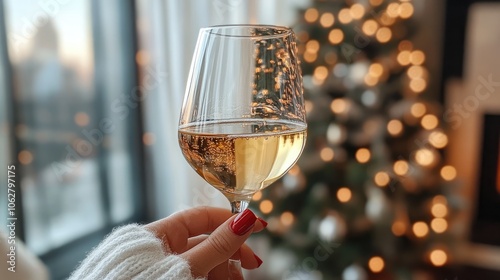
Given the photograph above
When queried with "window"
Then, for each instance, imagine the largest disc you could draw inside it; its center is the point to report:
(5, 127)
(76, 122)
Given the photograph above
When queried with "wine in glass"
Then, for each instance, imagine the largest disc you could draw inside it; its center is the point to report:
(242, 123)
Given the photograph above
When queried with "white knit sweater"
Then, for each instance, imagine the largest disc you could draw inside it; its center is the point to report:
(132, 252)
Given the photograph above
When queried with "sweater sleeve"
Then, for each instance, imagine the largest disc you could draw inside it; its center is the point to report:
(132, 252)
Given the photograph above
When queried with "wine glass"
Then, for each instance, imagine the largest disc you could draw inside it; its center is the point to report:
(242, 123)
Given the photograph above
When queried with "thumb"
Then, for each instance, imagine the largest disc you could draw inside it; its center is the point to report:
(221, 244)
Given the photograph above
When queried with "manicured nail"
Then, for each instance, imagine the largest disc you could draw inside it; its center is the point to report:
(243, 222)
(259, 261)
(264, 223)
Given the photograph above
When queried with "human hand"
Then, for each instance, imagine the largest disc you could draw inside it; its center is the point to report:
(185, 233)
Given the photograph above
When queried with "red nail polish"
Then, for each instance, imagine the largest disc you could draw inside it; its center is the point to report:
(259, 261)
(243, 222)
(264, 223)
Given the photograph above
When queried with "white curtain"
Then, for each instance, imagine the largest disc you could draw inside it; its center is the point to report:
(168, 30)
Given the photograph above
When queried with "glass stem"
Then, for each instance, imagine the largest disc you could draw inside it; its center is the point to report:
(234, 265)
(239, 206)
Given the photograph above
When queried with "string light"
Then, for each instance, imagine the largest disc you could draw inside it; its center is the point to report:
(393, 10)
(404, 58)
(384, 34)
(25, 157)
(417, 110)
(439, 225)
(398, 228)
(401, 167)
(344, 194)
(148, 138)
(376, 2)
(363, 155)
(418, 85)
(376, 70)
(415, 71)
(266, 206)
(438, 139)
(395, 127)
(345, 16)
(370, 80)
(357, 11)
(448, 172)
(439, 210)
(439, 199)
(429, 122)
(386, 19)
(424, 157)
(309, 56)
(142, 58)
(335, 133)
(438, 257)
(82, 119)
(287, 218)
(327, 154)
(420, 229)
(326, 20)
(369, 98)
(405, 10)
(370, 27)
(312, 46)
(320, 73)
(311, 15)
(338, 106)
(257, 196)
(417, 57)
(376, 264)
(382, 179)
(335, 36)
(294, 171)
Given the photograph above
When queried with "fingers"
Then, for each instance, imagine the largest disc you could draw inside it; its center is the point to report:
(249, 260)
(222, 271)
(247, 256)
(177, 228)
(219, 272)
(222, 243)
(193, 241)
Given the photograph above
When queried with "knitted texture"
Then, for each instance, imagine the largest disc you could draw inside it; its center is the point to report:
(132, 252)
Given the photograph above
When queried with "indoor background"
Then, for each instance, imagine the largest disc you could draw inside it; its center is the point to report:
(399, 179)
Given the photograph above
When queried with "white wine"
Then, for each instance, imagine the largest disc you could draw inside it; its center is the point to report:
(242, 158)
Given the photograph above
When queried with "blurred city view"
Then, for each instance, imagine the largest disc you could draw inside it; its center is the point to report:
(54, 99)
(72, 174)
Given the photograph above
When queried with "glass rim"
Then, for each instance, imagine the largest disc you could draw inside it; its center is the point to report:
(287, 31)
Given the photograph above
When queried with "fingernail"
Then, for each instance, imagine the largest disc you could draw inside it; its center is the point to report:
(243, 222)
(259, 261)
(264, 223)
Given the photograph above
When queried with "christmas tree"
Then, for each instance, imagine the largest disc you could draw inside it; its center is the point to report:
(370, 197)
